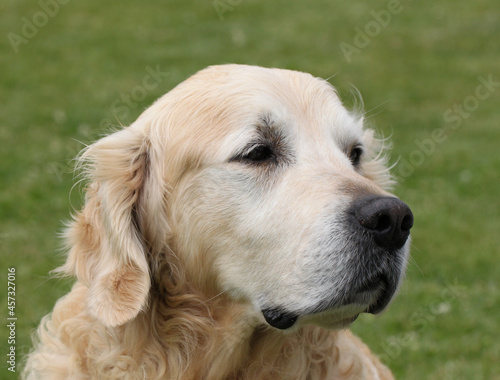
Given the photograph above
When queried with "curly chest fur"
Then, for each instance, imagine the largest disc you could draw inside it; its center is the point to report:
(190, 342)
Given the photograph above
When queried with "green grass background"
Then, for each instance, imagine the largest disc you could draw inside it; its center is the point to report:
(62, 87)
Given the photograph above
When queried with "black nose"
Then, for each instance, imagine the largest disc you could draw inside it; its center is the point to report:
(387, 219)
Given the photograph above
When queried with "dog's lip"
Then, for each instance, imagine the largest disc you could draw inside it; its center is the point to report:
(279, 318)
(371, 296)
(282, 320)
(346, 321)
(337, 317)
(381, 289)
(379, 305)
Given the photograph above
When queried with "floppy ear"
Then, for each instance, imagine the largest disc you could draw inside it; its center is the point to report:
(107, 251)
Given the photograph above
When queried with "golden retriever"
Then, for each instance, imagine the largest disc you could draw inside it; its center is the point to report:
(233, 231)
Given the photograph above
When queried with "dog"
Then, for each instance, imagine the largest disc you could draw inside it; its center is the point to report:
(234, 231)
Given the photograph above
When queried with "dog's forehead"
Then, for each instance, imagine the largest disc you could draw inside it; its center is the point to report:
(223, 107)
(286, 89)
(300, 105)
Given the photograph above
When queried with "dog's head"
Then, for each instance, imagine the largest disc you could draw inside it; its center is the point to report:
(262, 185)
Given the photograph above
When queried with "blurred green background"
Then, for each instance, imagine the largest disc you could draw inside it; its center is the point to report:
(429, 75)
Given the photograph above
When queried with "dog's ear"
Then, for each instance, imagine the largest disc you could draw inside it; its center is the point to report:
(108, 250)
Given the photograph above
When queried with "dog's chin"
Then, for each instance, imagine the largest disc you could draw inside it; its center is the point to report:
(333, 319)
(373, 297)
(337, 318)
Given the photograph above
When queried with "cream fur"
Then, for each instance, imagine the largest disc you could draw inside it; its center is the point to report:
(178, 248)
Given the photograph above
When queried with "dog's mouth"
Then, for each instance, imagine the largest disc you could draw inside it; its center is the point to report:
(371, 297)
(376, 292)
(284, 320)
(382, 291)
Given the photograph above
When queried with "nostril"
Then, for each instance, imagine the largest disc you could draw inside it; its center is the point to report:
(407, 223)
(384, 223)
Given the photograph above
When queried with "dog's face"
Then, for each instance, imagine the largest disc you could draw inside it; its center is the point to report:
(267, 189)
(284, 204)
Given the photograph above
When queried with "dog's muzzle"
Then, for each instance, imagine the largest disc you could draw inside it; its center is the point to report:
(383, 225)
(386, 222)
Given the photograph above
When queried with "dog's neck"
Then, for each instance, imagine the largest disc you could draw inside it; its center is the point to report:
(186, 337)
(214, 338)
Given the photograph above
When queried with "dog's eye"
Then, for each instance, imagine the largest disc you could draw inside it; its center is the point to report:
(259, 153)
(355, 155)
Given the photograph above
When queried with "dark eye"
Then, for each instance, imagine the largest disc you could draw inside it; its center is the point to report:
(355, 155)
(259, 153)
